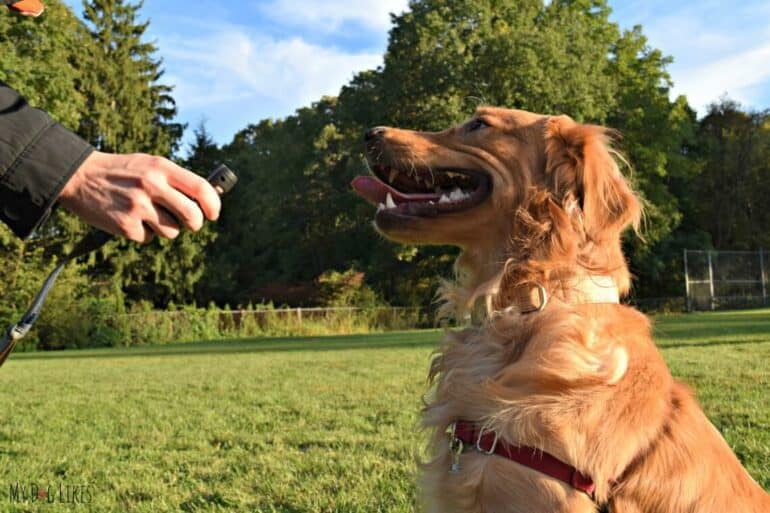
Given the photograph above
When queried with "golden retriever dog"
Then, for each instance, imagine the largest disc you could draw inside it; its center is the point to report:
(556, 399)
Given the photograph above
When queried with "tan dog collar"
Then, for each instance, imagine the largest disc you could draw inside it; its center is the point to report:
(534, 297)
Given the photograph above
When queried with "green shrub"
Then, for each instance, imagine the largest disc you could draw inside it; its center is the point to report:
(97, 322)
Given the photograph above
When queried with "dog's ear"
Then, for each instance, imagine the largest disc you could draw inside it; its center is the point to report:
(581, 168)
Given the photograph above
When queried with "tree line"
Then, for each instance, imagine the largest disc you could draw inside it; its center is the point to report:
(292, 232)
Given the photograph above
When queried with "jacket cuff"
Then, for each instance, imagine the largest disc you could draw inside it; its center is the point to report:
(31, 185)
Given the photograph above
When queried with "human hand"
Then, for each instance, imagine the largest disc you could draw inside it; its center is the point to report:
(136, 196)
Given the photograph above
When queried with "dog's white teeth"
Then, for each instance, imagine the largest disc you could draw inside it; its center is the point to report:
(444, 199)
(389, 203)
(393, 175)
(380, 207)
(457, 195)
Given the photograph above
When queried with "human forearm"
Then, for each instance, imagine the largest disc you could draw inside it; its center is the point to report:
(37, 158)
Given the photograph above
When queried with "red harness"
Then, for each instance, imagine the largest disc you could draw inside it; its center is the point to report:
(488, 442)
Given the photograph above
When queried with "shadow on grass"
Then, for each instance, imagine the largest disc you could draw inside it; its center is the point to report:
(742, 342)
(710, 325)
(397, 340)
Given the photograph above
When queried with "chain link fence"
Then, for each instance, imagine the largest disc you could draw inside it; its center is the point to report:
(718, 280)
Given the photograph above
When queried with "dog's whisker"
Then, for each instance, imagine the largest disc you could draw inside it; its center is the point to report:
(427, 167)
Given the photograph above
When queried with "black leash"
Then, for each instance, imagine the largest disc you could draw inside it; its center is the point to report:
(223, 180)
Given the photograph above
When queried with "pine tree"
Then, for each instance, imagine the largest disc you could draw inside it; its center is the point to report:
(130, 109)
(204, 155)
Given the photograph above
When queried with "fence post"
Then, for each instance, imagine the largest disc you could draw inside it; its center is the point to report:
(299, 317)
(688, 301)
(711, 281)
(762, 275)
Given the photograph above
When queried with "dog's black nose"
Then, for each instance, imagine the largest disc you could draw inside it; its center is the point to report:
(374, 133)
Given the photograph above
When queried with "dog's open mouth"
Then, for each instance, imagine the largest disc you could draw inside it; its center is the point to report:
(422, 192)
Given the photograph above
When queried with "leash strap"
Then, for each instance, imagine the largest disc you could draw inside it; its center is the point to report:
(91, 242)
(223, 179)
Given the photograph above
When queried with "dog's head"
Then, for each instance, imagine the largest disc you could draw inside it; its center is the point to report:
(509, 183)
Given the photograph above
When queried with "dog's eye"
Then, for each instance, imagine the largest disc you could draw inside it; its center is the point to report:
(477, 124)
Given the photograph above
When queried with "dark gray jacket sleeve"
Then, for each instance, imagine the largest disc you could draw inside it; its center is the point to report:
(37, 158)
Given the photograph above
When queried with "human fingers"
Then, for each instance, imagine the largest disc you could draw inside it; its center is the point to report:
(134, 229)
(186, 211)
(162, 223)
(194, 187)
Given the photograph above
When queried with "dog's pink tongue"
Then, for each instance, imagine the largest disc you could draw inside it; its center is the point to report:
(376, 191)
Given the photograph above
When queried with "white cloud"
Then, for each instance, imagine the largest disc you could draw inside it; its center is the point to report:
(330, 15)
(717, 47)
(738, 75)
(231, 64)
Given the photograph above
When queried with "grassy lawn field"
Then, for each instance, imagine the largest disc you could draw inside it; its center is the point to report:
(294, 425)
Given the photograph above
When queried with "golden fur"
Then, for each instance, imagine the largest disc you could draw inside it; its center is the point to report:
(584, 382)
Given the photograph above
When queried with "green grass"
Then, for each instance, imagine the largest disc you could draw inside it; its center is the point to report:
(294, 425)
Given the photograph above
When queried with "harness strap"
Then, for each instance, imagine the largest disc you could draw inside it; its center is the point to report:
(489, 442)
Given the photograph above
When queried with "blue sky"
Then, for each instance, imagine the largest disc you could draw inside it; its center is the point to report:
(234, 63)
